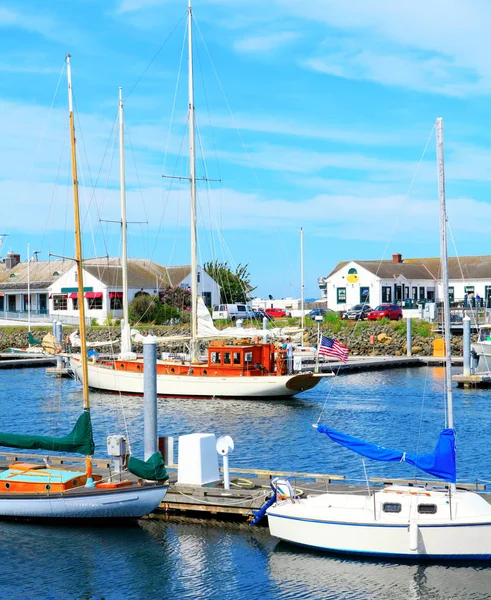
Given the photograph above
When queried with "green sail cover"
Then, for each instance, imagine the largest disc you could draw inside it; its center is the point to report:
(153, 468)
(79, 440)
(32, 340)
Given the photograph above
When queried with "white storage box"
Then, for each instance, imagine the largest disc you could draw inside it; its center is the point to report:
(197, 459)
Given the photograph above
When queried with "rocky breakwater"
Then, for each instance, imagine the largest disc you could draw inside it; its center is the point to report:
(384, 339)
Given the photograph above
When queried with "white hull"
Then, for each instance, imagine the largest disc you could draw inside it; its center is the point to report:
(108, 504)
(188, 386)
(346, 523)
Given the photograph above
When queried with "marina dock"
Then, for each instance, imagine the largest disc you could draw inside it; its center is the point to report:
(10, 360)
(250, 488)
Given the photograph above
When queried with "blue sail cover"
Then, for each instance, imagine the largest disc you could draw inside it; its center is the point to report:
(440, 462)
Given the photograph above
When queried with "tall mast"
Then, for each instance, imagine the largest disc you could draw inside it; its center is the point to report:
(192, 177)
(444, 270)
(29, 288)
(302, 284)
(125, 333)
(78, 259)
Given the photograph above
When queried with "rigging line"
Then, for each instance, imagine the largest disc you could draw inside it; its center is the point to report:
(46, 123)
(174, 101)
(396, 224)
(155, 56)
(239, 134)
(167, 196)
(406, 196)
(92, 199)
(208, 110)
(145, 241)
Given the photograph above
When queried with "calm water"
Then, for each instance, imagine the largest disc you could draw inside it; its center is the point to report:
(400, 408)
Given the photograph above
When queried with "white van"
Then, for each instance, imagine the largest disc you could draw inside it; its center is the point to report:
(231, 312)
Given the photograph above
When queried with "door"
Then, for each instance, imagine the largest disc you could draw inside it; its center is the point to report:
(43, 304)
(11, 303)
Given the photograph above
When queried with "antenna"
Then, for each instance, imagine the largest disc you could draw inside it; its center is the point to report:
(2, 236)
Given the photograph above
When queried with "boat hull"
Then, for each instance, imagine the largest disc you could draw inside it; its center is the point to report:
(186, 386)
(352, 529)
(84, 503)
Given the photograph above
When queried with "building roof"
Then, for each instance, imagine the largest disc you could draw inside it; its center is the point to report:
(41, 274)
(142, 273)
(463, 267)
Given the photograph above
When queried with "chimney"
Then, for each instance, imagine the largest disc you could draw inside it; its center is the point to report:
(397, 258)
(12, 260)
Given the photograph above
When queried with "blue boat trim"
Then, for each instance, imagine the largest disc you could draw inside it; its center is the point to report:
(377, 523)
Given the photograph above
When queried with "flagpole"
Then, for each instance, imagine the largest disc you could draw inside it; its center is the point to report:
(318, 319)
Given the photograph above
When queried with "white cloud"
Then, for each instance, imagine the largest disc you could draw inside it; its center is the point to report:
(266, 43)
(439, 46)
(285, 126)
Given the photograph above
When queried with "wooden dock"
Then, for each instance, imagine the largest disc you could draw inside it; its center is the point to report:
(250, 488)
(27, 362)
(475, 380)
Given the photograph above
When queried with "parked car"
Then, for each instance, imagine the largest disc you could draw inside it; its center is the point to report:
(318, 312)
(231, 312)
(276, 313)
(385, 311)
(357, 312)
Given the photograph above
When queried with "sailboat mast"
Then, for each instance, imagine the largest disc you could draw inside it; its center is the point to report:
(125, 344)
(192, 177)
(302, 284)
(78, 242)
(444, 270)
(29, 288)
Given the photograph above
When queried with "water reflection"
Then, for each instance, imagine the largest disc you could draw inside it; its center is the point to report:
(304, 574)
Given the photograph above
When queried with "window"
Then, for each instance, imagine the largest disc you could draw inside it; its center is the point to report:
(13, 275)
(386, 293)
(415, 293)
(430, 295)
(451, 294)
(75, 303)
(468, 289)
(94, 303)
(427, 509)
(226, 358)
(56, 274)
(2, 304)
(421, 293)
(76, 276)
(341, 295)
(391, 507)
(207, 299)
(199, 277)
(59, 302)
(365, 295)
(248, 357)
(215, 357)
(115, 303)
(236, 358)
(241, 308)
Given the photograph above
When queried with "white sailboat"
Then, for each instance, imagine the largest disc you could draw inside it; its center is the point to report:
(414, 522)
(242, 369)
(37, 491)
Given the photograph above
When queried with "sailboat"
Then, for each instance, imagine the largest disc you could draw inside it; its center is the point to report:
(37, 491)
(406, 521)
(242, 369)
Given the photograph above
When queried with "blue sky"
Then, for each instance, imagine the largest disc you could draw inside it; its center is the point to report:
(319, 118)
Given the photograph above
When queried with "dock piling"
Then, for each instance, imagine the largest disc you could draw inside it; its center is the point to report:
(466, 346)
(150, 396)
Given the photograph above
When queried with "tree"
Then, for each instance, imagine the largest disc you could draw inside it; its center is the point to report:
(176, 296)
(149, 309)
(235, 287)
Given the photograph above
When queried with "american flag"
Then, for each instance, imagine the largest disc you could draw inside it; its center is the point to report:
(330, 347)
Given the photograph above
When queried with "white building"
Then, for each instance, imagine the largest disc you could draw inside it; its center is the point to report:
(416, 279)
(54, 286)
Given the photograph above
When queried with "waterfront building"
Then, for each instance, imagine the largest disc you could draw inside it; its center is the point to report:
(54, 287)
(407, 281)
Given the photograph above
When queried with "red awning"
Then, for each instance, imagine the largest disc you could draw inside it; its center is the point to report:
(73, 295)
(93, 294)
(115, 294)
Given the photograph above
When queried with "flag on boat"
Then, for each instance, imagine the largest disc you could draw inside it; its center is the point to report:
(331, 347)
